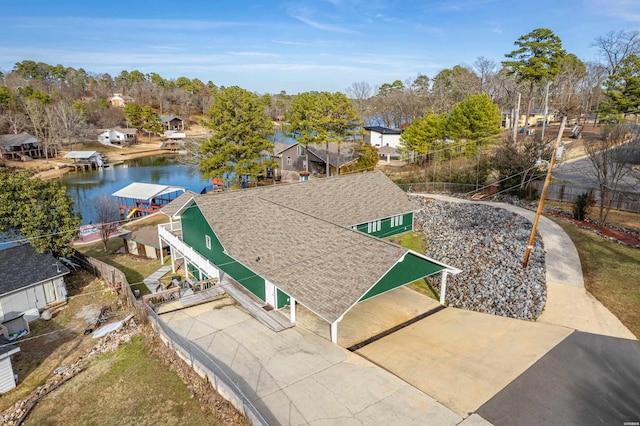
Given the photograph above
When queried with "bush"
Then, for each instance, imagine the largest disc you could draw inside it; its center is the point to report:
(582, 205)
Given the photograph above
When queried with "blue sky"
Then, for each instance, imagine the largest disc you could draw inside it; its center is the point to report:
(295, 46)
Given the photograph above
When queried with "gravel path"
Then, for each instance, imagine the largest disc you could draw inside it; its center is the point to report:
(488, 244)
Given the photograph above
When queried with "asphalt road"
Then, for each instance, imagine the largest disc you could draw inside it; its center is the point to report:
(587, 379)
(581, 172)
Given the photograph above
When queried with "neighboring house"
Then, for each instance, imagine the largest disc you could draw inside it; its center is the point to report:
(7, 378)
(118, 136)
(172, 122)
(29, 280)
(22, 146)
(144, 242)
(118, 100)
(379, 136)
(292, 157)
(317, 243)
(535, 119)
(388, 153)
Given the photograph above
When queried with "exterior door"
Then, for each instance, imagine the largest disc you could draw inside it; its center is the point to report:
(270, 293)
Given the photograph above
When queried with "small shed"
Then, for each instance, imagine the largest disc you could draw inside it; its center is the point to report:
(7, 378)
(140, 199)
(144, 242)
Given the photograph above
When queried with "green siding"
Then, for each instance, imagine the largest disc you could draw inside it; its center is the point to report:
(283, 299)
(386, 230)
(194, 230)
(409, 270)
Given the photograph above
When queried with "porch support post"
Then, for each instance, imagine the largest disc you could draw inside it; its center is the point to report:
(160, 245)
(443, 287)
(292, 308)
(173, 262)
(334, 330)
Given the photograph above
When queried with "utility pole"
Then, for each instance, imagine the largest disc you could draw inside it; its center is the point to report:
(544, 194)
(516, 119)
(546, 107)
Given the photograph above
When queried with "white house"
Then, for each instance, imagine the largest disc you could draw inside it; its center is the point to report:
(118, 136)
(7, 379)
(379, 136)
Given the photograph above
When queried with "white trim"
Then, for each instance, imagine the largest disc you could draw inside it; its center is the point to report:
(443, 287)
(207, 241)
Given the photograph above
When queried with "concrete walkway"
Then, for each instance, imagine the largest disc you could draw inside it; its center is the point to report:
(568, 303)
(153, 280)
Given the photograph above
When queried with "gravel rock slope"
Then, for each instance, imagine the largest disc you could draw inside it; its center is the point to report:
(488, 244)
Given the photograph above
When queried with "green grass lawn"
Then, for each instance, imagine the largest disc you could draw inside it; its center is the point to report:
(126, 387)
(135, 268)
(415, 241)
(610, 272)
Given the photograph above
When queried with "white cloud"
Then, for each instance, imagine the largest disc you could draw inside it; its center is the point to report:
(625, 10)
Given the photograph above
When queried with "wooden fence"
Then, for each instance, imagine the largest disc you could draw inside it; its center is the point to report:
(112, 275)
(626, 201)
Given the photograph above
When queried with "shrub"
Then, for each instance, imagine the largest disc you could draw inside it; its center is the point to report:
(582, 205)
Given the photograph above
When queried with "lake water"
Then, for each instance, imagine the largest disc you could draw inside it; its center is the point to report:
(163, 170)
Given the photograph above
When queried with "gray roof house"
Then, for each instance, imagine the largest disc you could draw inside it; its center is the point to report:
(29, 280)
(320, 243)
(292, 157)
(20, 146)
(172, 122)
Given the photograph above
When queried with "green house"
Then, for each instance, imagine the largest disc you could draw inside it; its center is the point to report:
(316, 243)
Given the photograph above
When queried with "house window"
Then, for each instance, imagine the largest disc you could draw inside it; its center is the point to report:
(374, 226)
(396, 221)
(207, 241)
(288, 161)
(301, 151)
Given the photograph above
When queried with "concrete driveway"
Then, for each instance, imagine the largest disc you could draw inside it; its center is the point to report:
(371, 317)
(296, 377)
(463, 358)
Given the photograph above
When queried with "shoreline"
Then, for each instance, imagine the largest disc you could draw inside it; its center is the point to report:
(55, 168)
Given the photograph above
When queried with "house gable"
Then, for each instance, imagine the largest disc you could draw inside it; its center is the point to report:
(197, 232)
(407, 270)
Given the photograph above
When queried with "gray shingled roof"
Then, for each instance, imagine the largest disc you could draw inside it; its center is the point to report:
(147, 236)
(300, 233)
(345, 200)
(326, 267)
(17, 140)
(22, 266)
(177, 204)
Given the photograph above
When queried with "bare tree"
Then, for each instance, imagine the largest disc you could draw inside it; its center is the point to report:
(108, 217)
(611, 157)
(615, 47)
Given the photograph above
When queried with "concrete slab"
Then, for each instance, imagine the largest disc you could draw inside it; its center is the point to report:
(297, 377)
(585, 380)
(576, 308)
(463, 358)
(371, 317)
(475, 420)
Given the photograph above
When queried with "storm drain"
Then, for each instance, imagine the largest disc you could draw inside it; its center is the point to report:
(394, 329)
